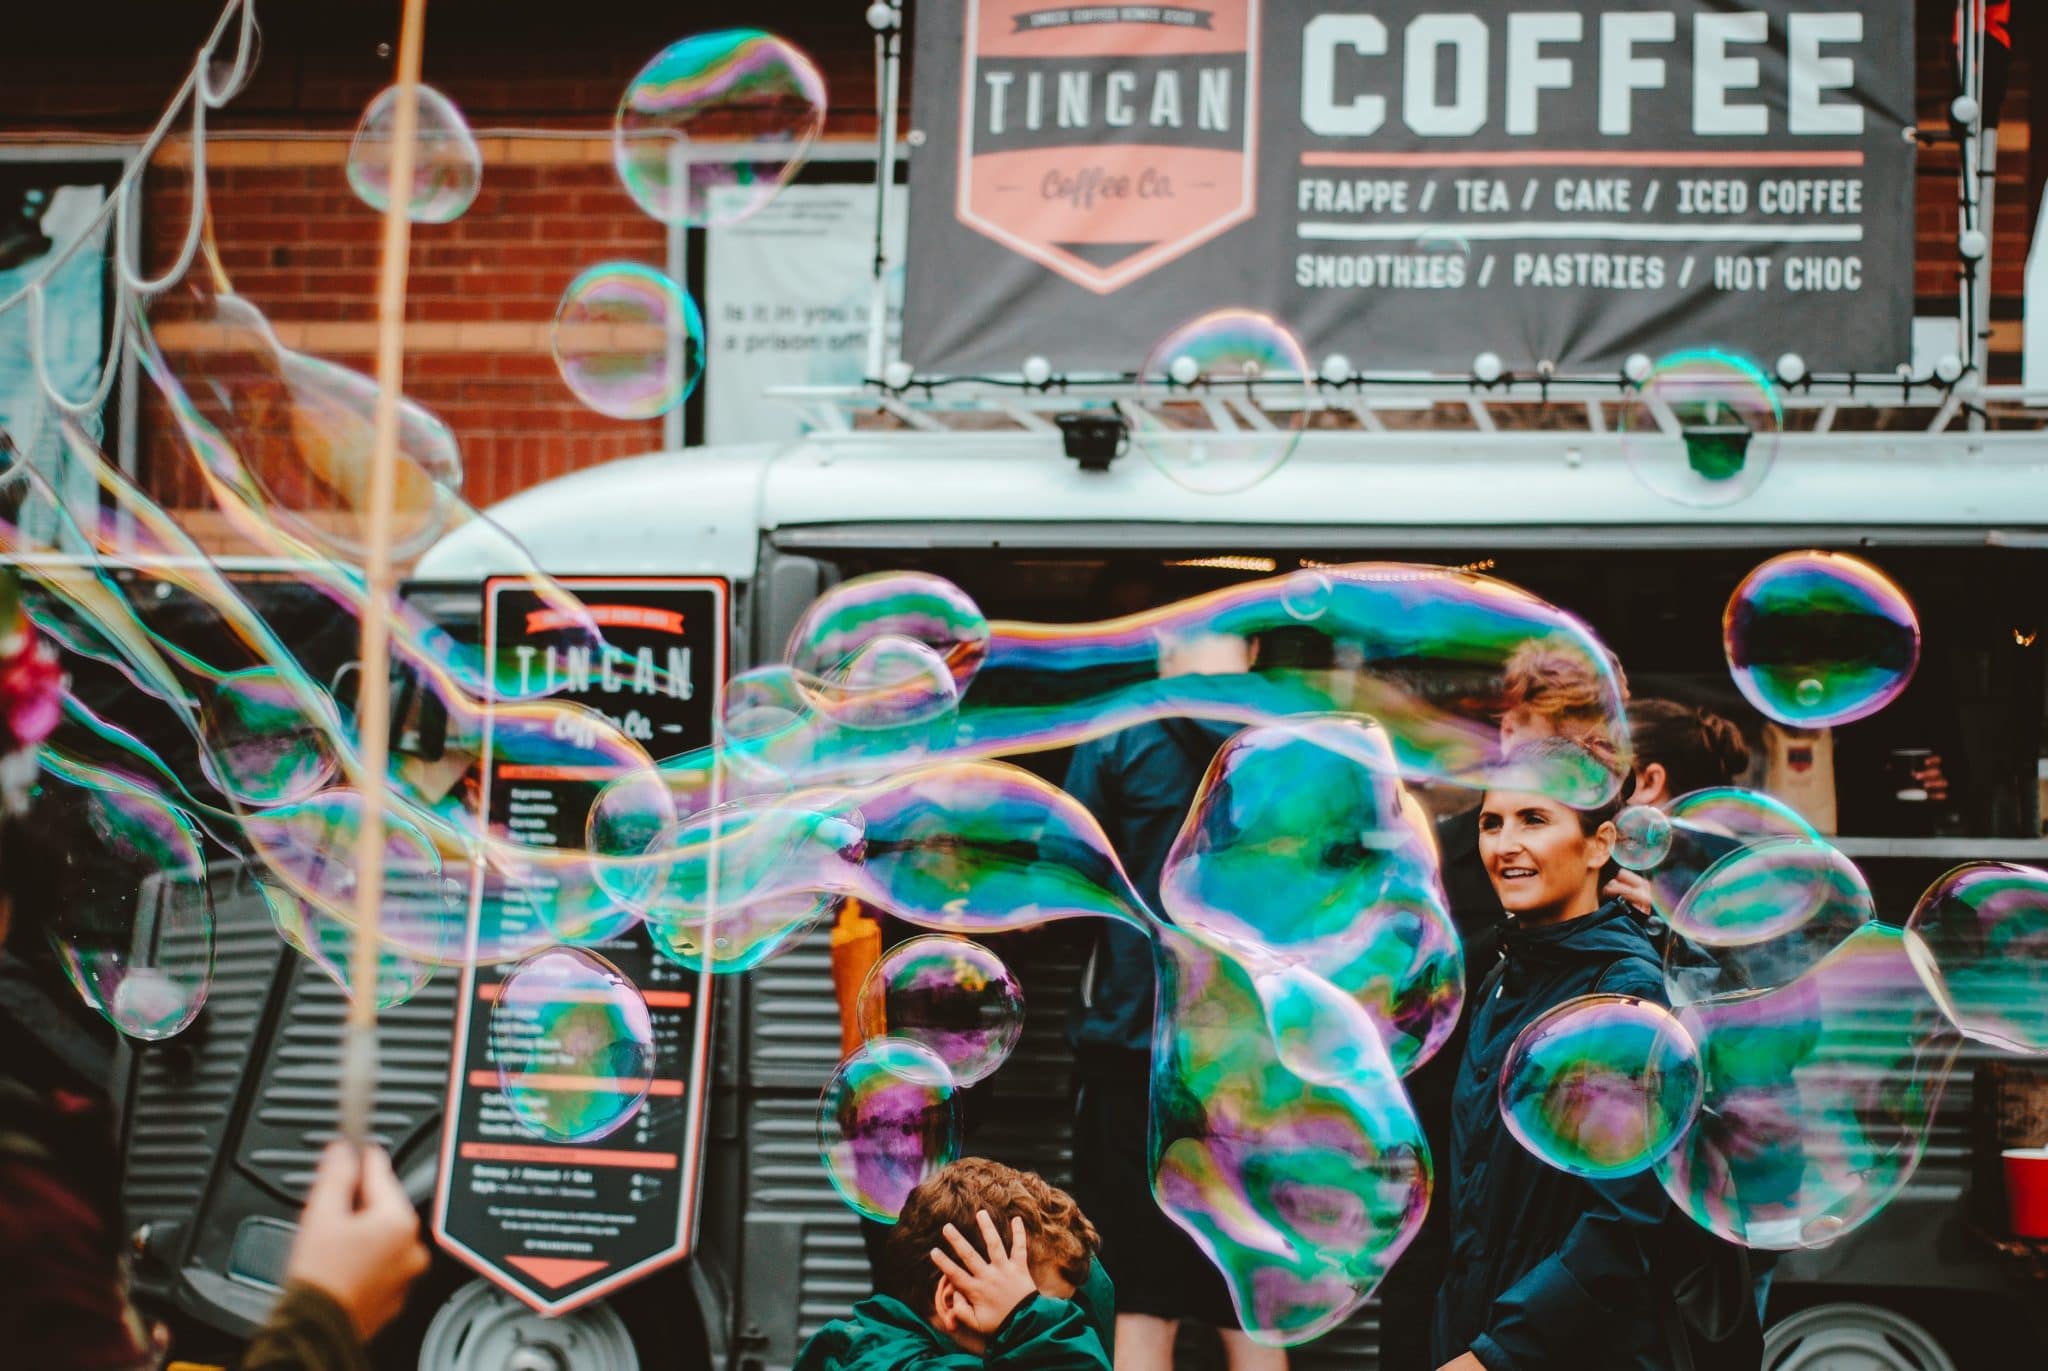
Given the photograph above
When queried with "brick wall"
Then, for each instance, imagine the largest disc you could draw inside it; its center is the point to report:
(298, 244)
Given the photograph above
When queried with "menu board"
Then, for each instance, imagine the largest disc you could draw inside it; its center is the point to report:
(560, 1223)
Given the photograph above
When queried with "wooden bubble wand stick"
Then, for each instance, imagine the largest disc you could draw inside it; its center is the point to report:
(373, 703)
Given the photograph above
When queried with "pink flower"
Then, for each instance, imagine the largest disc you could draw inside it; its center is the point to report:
(31, 693)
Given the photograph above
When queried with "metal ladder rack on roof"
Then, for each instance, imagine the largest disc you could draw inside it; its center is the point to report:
(1585, 406)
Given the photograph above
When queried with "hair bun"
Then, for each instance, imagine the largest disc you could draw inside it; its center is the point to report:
(1726, 742)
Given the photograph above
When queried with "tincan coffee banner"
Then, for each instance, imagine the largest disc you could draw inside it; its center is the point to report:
(1412, 183)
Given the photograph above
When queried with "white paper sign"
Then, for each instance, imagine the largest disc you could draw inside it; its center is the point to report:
(786, 295)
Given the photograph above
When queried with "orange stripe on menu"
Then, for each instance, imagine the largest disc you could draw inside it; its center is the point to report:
(1588, 158)
(568, 1156)
(592, 1084)
(656, 999)
(514, 771)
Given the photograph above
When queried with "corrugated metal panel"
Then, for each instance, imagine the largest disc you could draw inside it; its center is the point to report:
(183, 1092)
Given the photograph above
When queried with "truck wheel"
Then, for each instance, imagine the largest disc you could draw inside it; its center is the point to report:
(481, 1328)
(1851, 1337)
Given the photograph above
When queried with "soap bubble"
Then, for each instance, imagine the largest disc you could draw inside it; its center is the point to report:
(628, 340)
(890, 683)
(1817, 639)
(967, 847)
(134, 928)
(1303, 1191)
(1702, 428)
(1601, 1086)
(1408, 974)
(1979, 938)
(1818, 1100)
(1223, 400)
(328, 941)
(1708, 825)
(1642, 837)
(288, 437)
(745, 881)
(264, 748)
(953, 996)
(915, 605)
(1770, 887)
(888, 1119)
(574, 1043)
(1295, 834)
(710, 129)
(448, 168)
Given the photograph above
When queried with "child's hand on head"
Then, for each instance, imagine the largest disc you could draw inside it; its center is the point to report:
(981, 1292)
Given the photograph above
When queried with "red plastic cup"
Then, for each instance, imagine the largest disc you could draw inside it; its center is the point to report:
(2026, 1190)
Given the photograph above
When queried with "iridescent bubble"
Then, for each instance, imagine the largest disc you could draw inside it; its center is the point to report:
(1979, 938)
(1302, 1190)
(1708, 825)
(955, 997)
(1408, 974)
(1819, 1096)
(915, 605)
(1770, 887)
(134, 929)
(715, 125)
(1642, 837)
(628, 340)
(981, 846)
(448, 167)
(1601, 1086)
(1223, 401)
(1702, 428)
(328, 942)
(291, 435)
(574, 1043)
(1817, 639)
(265, 748)
(1294, 835)
(890, 683)
(888, 1119)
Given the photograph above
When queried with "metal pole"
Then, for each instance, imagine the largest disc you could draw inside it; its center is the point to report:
(373, 695)
(887, 22)
(679, 272)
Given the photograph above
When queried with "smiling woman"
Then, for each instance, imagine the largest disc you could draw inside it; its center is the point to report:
(1544, 858)
(1541, 1259)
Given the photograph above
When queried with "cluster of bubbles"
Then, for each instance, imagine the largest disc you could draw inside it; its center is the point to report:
(1788, 1095)
(1305, 957)
(705, 134)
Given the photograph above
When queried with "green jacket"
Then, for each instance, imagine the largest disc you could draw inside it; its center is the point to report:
(1041, 1334)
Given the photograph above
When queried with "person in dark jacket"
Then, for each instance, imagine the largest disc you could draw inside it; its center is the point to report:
(1034, 1300)
(1546, 692)
(1138, 784)
(1548, 1270)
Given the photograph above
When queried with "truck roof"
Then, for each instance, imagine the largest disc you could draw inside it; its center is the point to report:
(705, 510)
